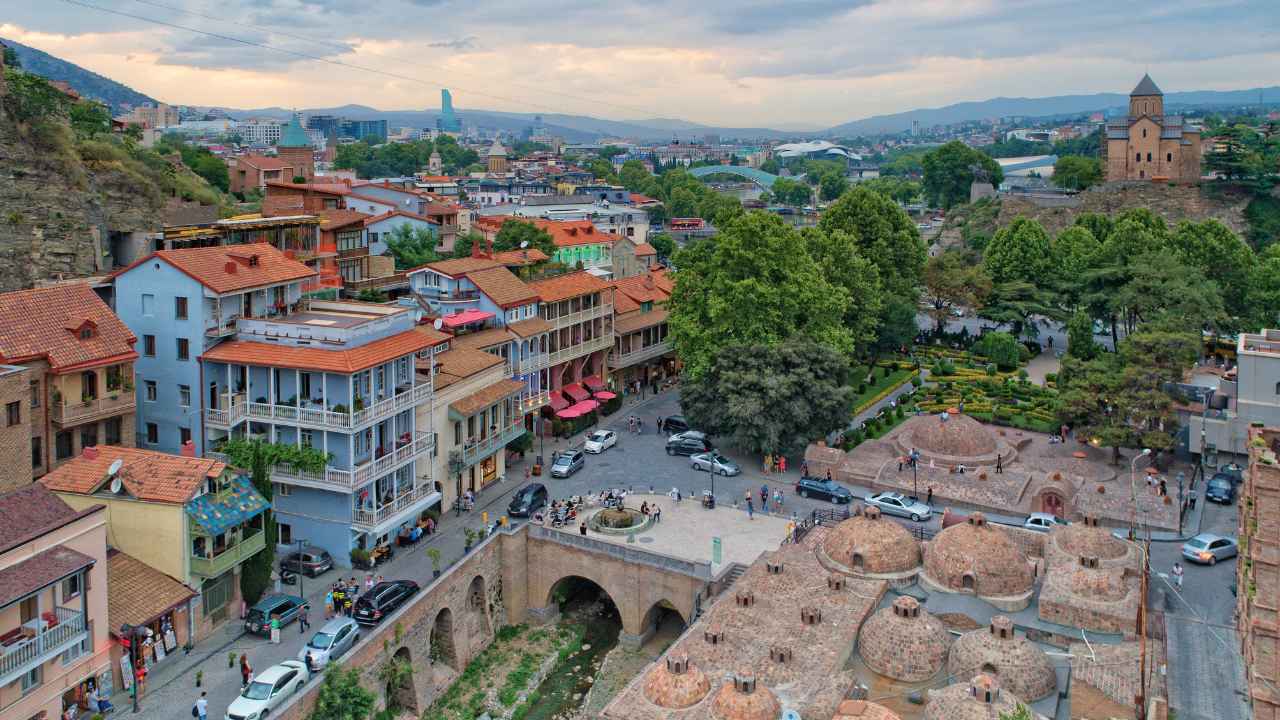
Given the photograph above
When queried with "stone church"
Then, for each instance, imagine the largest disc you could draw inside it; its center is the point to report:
(1149, 145)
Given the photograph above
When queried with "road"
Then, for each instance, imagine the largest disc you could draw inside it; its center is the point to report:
(975, 325)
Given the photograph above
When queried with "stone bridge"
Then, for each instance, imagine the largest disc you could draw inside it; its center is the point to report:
(512, 577)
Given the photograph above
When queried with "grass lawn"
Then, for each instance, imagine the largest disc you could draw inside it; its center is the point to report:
(879, 385)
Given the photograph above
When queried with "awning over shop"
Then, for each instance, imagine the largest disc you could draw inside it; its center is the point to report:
(558, 402)
(138, 594)
(239, 502)
(466, 317)
(593, 382)
(576, 391)
(605, 395)
(585, 406)
(569, 413)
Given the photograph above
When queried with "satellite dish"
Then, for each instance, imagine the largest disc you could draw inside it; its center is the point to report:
(117, 486)
(790, 715)
(524, 244)
(439, 323)
(115, 466)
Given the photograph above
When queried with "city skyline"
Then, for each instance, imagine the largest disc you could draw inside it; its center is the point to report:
(816, 65)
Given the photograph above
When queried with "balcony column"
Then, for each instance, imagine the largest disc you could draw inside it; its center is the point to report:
(324, 390)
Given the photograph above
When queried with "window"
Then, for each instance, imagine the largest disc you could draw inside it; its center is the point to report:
(286, 533)
(37, 453)
(72, 653)
(1168, 157)
(13, 413)
(184, 435)
(149, 345)
(1144, 132)
(151, 390)
(115, 377)
(153, 433)
(184, 395)
(148, 304)
(308, 438)
(113, 427)
(35, 393)
(71, 587)
(31, 679)
(1148, 157)
(62, 444)
(86, 333)
(283, 490)
(180, 308)
(184, 349)
(1138, 158)
(89, 435)
(351, 240)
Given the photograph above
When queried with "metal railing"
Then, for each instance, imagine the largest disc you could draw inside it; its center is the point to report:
(475, 451)
(590, 313)
(617, 360)
(39, 647)
(349, 480)
(576, 351)
(237, 409)
(371, 518)
(529, 403)
(214, 566)
(533, 363)
(393, 280)
(66, 412)
(625, 553)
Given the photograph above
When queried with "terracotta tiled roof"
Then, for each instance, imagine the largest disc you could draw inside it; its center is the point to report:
(433, 335)
(461, 363)
(529, 328)
(228, 268)
(331, 219)
(146, 474)
(568, 233)
(401, 213)
(44, 323)
(623, 304)
(483, 339)
(642, 288)
(502, 287)
(138, 593)
(644, 249)
(457, 267)
(262, 162)
(322, 188)
(563, 287)
(638, 199)
(30, 512)
(39, 571)
(527, 256)
(477, 401)
(637, 321)
(306, 358)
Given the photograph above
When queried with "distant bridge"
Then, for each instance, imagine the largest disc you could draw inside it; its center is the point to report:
(759, 177)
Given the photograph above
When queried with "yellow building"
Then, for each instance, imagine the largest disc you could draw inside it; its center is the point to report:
(1149, 145)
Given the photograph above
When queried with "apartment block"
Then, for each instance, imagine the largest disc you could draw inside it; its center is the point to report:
(642, 353)
(16, 460)
(1248, 394)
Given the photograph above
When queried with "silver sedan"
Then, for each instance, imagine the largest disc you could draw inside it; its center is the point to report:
(893, 503)
(1208, 548)
(714, 462)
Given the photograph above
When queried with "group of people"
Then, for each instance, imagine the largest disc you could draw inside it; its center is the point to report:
(765, 497)
(341, 597)
(635, 424)
(651, 511)
(775, 464)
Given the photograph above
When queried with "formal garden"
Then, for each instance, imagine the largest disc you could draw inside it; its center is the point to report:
(962, 379)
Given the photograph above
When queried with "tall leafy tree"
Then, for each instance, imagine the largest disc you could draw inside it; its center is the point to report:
(1080, 343)
(954, 278)
(1220, 254)
(513, 233)
(342, 697)
(755, 284)
(836, 254)
(1073, 253)
(771, 398)
(1160, 286)
(884, 234)
(1019, 252)
(832, 185)
(1097, 224)
(1263, 296)
(1018, 304)
(411, 247)
(950, 170)
(1077, 173)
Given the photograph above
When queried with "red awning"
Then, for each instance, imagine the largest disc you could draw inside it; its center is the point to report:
(466, 317)
(558, 402)
(605, 395)
(576, 391)
(569, 413)
(593, 382)
(585, 406)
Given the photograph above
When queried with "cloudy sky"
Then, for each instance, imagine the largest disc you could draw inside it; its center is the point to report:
(780, 63)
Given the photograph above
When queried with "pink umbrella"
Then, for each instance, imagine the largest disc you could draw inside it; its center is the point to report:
(605, 395)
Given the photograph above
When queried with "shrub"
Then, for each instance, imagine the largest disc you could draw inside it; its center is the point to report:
(1001, 348)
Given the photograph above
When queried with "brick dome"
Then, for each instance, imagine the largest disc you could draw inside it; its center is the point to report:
(979, 557)
(1098, 583)
(1087, 539)
(1020, 664)
(950, 435)
(904, 642)
(978, 699)
(676, 684)
(870, 543)
(863, 710)
(742, 699)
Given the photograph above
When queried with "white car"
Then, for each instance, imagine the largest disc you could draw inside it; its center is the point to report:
(1043, 522)
(331, 641)
(599, 441)
(269, 690)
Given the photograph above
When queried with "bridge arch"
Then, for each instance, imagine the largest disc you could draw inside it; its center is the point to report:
(401, 693)
(759, 177)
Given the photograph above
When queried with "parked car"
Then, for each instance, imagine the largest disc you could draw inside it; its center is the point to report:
(331, 641)
(681, 445)
(310, 561)
(714, 462)
(258, 621)
(694, 434)
(1043, 522)
(599, 441)
(674, 424)
(1233, 471)
(1220, 489)
(898, 504)
(823, 489)
(568, 463)
(1208, 549)
(382, 600)
(528, 500)
(268, 690)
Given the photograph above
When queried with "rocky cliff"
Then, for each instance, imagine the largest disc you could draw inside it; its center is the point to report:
(1173, 203)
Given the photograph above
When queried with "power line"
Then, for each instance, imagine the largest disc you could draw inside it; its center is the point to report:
(343, 46)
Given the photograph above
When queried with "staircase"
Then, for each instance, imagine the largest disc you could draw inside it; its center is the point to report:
(730, 576)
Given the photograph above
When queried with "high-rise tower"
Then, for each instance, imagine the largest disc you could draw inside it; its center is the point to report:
(449, 121)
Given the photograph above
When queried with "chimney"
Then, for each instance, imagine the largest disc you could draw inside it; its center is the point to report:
(678, 663)
(773, 568)
(713, 636)
(984, 689)
(744, 598)
(977, 519)
(906, 607)
(489, 247)
(744, 682)
(810, 615)
(1089, 561)
(188, 449)
(90, 453)
(780, 654)
(475, 248)
(835, 582)
(871, 512)
(1001, 627)
(1091, 521)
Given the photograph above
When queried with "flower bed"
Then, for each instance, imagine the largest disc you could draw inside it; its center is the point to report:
(1002, 401)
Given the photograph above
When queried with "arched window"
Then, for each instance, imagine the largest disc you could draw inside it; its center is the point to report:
(1144, 132)
(1137, 157)
(1168, 157)
(1148, 157)
(1278, 388)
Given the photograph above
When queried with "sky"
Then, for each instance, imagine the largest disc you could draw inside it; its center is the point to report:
(788, 64)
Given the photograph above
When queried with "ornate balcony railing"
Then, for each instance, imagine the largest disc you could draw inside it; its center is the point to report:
(349, 480)
(368, 519)
(69, 413)
(41, 642)
(236, 408)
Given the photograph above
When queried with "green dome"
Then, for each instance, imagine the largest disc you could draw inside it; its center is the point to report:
(294, 135)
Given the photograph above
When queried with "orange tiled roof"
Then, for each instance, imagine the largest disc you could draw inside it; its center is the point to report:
(481, 399)
(622, 303)
(568, 233)
(331, 218)
(309, 358)
(563, 287)
(483, 339)
(644, 249)
(434, 336)
(642, 288)
(638, 199)
(459, 364)
(457, 267)
(44, 323)
(634, 321)
(502, 287)
(527, 256)
(228, 268)
(402, 213)
(322, 188)
(137, 593)
(529, 328)
(146, 474)
(262, 162)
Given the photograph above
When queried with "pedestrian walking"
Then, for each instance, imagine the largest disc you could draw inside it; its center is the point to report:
(368, 582)
(768, 463)
(782, 464)
(328, 604)
(764, 498)
(929, 498)
(246, 671)
(1164, 488)
(777, 500)
(659, 425)
(901, 459)
(657, 514)
(750, 508)
(202, 706)
(1177, 574)
(303, 623)
(999, 463)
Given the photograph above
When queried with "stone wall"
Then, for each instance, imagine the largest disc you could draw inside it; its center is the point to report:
(1173, 203)
(15, 438)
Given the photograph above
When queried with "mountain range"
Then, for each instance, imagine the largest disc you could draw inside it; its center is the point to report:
(581, 128)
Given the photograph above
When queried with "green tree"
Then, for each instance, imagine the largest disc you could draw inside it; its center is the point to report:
(1073, 254)
(342, 697)
(1263, 297)
(832, 185)
(837, 255)
(1000, 348)
(771, 166)
(89, 118)
(1097, 224)
(1161, 286)
(1080, 343)
(901, 190)
(791, 192)
(634, 176)
(754, 284)
(684, 203)
(1019, 252)
(897, 329)
(514, 233)
(663, 243)
(906, 164)
(1021, 712)
(884, 234)
(1221, 256)
(954, 278)
(770, 398)
(1088, 400)
(1017, 304)
(213, 170)
(950, 170)
(603, 170)
(11, 58)
(610, 151)
(1077, 173)
(412, 247)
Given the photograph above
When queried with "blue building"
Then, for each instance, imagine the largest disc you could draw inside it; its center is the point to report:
(448, 121)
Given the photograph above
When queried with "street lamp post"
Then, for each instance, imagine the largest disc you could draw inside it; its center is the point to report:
(1133, 491)
(1181, 478)
(301, 592)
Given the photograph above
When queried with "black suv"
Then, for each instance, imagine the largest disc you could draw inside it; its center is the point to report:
(1221, 489)
(823, 489)
(311, 561)
(688, 445)
(527, 500)
(674, 424)
(382, 599)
